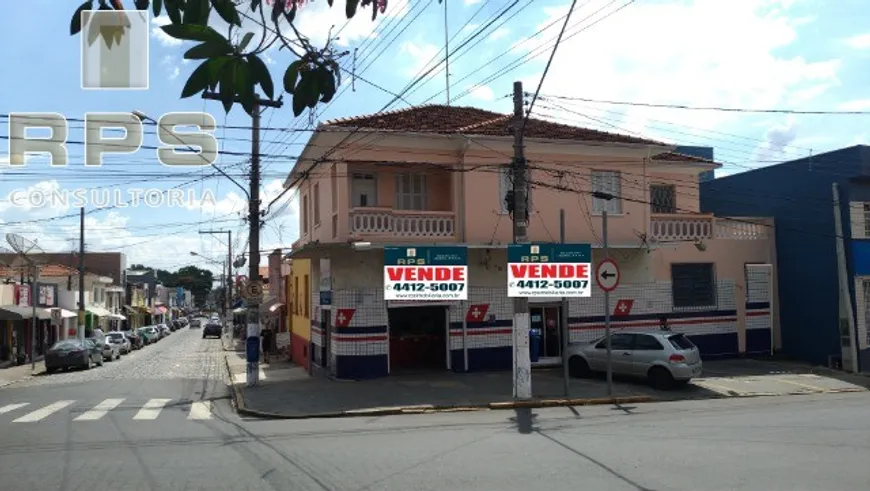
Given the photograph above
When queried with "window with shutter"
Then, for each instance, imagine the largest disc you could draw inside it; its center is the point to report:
(663, 198)
(693, 285)
(411, 191)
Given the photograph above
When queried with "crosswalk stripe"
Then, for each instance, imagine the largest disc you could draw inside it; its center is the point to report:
(100, 410)
(151, 409)
(12, 407)
(200, 410)
(44, 412)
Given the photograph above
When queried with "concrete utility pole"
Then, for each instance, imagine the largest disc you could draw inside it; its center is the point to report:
(254, 224)
(34, 319)
(522, 361)
(564, 331)
(81, 319)
(228, 285)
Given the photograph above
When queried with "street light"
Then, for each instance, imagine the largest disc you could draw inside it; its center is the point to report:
(142, 117)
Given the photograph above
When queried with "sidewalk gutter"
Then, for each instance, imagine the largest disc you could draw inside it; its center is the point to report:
(238, 399)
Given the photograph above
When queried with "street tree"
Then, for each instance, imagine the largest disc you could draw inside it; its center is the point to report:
(231, 64)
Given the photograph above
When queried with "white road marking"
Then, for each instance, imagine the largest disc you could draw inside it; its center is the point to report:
(100, 410)
(151, 409)
(200, 410)
(44, 412)
(262, 374)
(12, 407)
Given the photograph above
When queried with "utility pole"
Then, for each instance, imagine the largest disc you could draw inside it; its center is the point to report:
(607, 308)
(522, 361)
(228, 285)
(847, 319)
(564, 332)
(253, 338)
(81, 319)
(34, 320)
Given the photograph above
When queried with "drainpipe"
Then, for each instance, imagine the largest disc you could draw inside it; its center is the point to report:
(461, 212)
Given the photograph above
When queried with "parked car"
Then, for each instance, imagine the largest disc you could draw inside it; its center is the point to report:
(111, 350)
(73, 353)
(149, 334)
(135, 339)
(212, 329)
(123, 343)
(195, 323)
(164, 330)
(664, 358)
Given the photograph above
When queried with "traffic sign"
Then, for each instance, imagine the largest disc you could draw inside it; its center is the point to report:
(253, 290)
(56, 316)
(607, 275)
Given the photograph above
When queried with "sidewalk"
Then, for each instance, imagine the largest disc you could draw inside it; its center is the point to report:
(288, 391)
(15, 374)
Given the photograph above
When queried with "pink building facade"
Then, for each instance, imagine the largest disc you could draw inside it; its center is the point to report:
(439, 175)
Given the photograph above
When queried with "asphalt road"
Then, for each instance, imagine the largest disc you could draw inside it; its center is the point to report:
(193, 440)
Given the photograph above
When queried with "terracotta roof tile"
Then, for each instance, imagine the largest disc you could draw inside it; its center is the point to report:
(681, 157)
(453, 119)
(46, 271)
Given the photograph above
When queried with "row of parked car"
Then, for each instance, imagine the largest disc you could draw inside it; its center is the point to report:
(102, 347)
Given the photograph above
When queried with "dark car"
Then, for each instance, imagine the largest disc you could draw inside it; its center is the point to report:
(135, 339)
(212, 329)
(73, 353)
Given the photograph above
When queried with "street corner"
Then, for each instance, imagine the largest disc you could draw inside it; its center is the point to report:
(775, 385)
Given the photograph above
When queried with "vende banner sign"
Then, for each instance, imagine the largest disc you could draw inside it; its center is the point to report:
(549, 270)
(425, 273)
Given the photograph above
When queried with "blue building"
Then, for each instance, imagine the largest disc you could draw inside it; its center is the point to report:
(799, 196)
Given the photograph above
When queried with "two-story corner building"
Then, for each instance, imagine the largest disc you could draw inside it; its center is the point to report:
(830, 322)
(439, 175)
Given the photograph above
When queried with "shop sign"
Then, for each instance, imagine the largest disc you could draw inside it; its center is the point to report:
(549, 270)
(426, 273)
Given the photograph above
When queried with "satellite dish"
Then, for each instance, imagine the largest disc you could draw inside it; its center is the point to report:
(23, 247)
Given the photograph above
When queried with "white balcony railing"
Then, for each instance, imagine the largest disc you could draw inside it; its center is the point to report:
(402, 223)
(664, 227)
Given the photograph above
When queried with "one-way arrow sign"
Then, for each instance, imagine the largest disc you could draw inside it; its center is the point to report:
(607, 275)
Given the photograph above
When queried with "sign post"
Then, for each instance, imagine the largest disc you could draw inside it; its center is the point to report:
(426, 273)
(607, 277)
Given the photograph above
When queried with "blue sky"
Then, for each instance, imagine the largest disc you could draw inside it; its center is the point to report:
(796, 54)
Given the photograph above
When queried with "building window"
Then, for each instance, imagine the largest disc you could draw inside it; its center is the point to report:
(866, 219)
(411, 191)
(305, 214)
(605, 181)
(693, 285)
(663, 198)
(316, 199)
(296, 295)
(364, 190)
(307, 299)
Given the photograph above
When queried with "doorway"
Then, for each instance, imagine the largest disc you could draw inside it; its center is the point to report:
(418, 338)
(546, 318)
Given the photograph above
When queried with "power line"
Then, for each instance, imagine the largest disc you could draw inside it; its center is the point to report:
(709, 108)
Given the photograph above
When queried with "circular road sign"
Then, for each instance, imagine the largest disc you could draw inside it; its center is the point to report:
(607, 275)
(253, 289)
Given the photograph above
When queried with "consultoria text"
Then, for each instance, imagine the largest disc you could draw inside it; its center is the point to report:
(110, 198)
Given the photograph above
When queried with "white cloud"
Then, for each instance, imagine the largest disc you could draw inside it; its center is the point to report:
(483, 93)
(499, 33)
(855, 105)
(171, 63)
(860, 41)
(420, 54)
(161, 37)
(33, 201)
(471, 2)
(679, 59)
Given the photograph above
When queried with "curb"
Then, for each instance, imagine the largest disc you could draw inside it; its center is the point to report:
(238, 399)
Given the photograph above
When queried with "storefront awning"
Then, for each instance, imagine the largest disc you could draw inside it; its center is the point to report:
(98, 311)
(118, 317)
(142, 310)
(159, 310)
(240, 310)
(16, 313)
(130, 309)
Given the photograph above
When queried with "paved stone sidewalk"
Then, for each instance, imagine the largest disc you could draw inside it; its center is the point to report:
(15, 374)
(288, 390)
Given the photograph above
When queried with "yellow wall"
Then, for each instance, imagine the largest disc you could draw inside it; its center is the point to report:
(300, 275)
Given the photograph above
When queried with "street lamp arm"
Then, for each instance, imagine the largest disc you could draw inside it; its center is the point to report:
(144, 117)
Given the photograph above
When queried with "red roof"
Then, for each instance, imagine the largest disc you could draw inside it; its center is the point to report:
(473, 121)
(681, 157)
